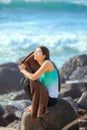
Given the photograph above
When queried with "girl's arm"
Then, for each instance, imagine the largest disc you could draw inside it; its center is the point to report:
(46, 66)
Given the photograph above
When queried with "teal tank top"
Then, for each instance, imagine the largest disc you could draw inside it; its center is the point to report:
(50, 81)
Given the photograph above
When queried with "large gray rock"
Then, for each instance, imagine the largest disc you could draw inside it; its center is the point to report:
(9, 78)
(79, 74)
(56, 118)
(72, 64)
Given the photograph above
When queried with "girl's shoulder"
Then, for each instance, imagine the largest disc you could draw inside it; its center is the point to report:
(48, 62)
(49, 65)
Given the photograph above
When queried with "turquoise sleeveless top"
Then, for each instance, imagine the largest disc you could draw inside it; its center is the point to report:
(50, 81)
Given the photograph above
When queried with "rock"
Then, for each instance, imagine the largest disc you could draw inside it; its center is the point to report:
(10, 109)
(79, 74)
(10, 117)
(20, 104)
(15, 124)
(4, 128)
(81, 112)
(69, 100)
(74, 88)
(9, 78)
(19, 95)
(55, 118)
(83, 99)
(1, 110)
(3, 122)
(62, 78)
(27, 124)
(72, 64)
(83, 123)
(82, 102)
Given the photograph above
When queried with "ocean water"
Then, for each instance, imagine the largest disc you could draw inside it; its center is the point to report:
(60, 25)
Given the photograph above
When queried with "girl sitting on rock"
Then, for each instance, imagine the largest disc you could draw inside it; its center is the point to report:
(46, 93)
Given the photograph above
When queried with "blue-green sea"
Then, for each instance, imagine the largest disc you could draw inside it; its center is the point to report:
(60, 25)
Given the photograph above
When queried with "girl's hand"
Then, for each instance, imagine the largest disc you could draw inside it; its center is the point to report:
(22, 67)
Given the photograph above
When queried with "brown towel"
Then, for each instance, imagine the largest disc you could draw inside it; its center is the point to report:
(39, 99)
(31, 64)
(38, 91)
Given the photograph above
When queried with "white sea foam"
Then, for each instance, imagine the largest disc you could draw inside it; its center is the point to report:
(24, 40)
(5, 1)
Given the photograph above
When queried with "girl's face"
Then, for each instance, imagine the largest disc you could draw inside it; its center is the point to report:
(38, 54)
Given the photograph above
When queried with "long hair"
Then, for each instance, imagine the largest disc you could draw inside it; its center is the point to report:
(45, 51)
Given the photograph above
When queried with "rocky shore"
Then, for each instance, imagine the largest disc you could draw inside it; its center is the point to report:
(73, 98)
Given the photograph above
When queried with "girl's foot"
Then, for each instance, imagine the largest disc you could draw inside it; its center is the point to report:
(28, 109)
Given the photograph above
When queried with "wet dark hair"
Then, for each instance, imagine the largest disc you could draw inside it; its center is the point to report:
(45, 51)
